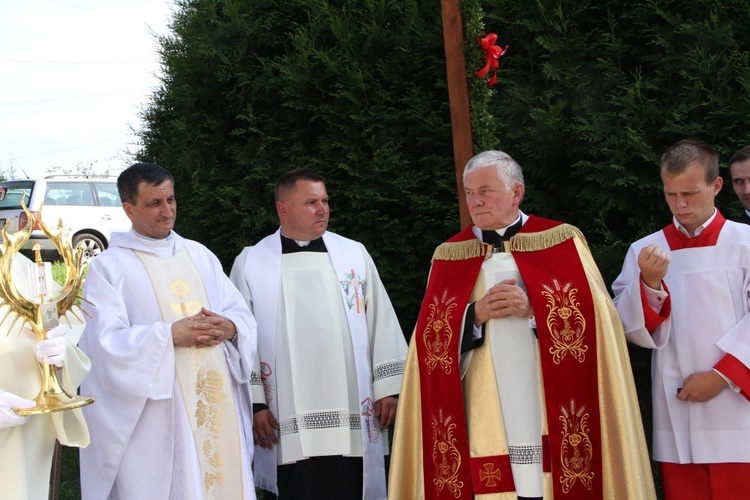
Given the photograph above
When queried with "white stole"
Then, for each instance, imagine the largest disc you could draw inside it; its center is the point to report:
(516, 361)
(264, 267)
(203, 377)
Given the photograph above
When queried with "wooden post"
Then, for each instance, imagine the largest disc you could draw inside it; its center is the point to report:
(54, 477)
(458, 96)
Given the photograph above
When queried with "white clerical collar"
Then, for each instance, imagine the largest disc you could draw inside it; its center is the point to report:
(301, 243)
(162, 247)
(478, 232)
(698, 230)
(520, 217)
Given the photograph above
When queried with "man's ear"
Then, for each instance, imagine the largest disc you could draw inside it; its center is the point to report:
(717, 185)
(128, 207)
(281, 209)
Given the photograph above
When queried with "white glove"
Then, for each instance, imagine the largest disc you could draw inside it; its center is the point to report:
(52, 349)
(9, 418)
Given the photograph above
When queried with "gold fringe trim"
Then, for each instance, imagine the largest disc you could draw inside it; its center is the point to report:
(462, 250)
(534, 242)
(522, 242)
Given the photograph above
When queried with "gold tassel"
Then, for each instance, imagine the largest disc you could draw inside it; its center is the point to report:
(522, 242)
(462, 250)
(534, 242)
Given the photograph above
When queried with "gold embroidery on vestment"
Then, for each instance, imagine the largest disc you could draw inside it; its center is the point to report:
(445, 456)
(576, 451)
(203, 377)
(565, 321)
(438, 333)
(489, 475)
(190, 308)
(208, 388)
(179, 288)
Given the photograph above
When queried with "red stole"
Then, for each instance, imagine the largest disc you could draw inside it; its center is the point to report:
(563, 308)
(445, 441)
(566, 328)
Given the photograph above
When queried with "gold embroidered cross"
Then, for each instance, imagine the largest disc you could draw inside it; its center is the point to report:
(489, 474)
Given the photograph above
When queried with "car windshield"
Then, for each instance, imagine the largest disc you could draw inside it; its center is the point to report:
(16, 191)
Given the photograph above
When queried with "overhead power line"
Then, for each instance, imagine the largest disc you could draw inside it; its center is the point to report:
(44, 61)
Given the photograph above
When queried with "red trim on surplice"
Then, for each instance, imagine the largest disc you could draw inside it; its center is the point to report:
(737, 372)
(708, 237)
(566, 328)
(652, 318)
(445, 443)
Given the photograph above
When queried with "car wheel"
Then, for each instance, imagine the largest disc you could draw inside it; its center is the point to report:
(92, 245)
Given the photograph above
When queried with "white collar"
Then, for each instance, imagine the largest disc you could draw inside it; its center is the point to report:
(698, 230)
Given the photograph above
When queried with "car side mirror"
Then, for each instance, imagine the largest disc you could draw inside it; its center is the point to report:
(2, 193)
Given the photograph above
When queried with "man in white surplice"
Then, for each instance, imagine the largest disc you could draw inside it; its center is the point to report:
(171, 343)
(684, 292)
(330, 353)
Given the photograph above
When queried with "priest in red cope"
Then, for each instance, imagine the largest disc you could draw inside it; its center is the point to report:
(517, 382)
(684, 291)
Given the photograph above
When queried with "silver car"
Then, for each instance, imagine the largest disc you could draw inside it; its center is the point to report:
(90, 208)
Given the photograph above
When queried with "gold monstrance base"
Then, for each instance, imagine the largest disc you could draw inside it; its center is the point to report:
(53, 397)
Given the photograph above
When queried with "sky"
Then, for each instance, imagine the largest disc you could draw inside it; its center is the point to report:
(74, 75)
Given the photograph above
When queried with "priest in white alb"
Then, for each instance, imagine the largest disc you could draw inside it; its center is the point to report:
(172, 344)
(330, 353)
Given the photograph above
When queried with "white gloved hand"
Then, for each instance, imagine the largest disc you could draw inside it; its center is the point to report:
(9, 418)
(52, 349)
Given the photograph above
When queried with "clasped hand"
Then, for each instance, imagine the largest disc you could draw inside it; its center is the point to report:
(653, 263)
(202, 330)
(504, 299)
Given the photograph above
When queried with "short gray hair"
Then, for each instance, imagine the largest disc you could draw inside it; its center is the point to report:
(508, 170)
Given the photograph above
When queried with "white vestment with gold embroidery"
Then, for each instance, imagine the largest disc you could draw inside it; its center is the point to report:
(142, 442)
